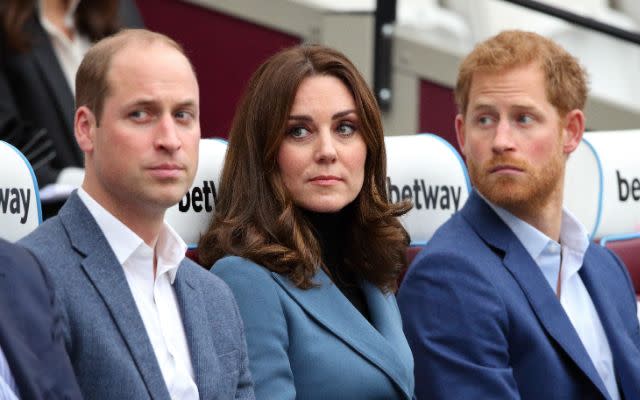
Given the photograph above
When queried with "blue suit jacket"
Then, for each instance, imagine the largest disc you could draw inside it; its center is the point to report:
(314, 344)
(104, 333)
(484, 323)
(30, 329)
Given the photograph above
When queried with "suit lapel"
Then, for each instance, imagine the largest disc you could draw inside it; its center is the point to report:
(105, 272)
(626, 356)
(194, 318)
(527, 274)
(330, 308)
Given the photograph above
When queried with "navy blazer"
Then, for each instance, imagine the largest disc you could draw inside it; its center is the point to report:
(36, 100)
(104, 332)
(30, 329)
(314, 344)
(484, 323)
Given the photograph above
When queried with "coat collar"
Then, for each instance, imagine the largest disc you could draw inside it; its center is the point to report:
(529, 277)
(106, 273)
(378, 343)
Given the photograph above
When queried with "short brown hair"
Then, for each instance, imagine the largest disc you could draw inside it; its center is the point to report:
(566, 80)
(92, 83)
(255, 216)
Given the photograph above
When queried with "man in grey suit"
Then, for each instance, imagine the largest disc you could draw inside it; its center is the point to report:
(140, 320)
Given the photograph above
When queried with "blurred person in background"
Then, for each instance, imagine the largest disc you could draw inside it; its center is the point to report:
(42, 43)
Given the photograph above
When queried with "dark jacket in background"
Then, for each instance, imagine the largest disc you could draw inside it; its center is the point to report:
(36, 102)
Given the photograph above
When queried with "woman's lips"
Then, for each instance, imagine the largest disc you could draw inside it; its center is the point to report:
(325, 180)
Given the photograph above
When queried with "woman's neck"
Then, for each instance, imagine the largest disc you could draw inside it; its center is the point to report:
(330, 231)
(55, 12)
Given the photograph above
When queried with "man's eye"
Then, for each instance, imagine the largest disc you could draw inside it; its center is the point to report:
(484, 120)
(525, 119)
(138, 115)
(184, 115)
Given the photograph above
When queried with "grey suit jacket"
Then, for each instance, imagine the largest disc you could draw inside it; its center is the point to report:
(104, 334)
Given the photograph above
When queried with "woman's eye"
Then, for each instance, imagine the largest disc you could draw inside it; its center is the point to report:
(346, 129)
(298, 132)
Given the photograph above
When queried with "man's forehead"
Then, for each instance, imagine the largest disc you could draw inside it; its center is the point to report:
(518, 83)
(128, 66)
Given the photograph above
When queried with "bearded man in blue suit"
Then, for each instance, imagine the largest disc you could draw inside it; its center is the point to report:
(139, 320)
(509, 299)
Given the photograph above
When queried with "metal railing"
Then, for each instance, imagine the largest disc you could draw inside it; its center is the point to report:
(385, 17)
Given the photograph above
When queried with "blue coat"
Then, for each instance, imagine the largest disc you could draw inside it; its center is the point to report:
(30, 329)
(484, 323)
(314, 344)
(104, 333)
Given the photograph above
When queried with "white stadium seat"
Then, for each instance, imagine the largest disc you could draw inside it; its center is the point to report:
(20, 210)
(602, 183)
(427, 170)
(192, 215)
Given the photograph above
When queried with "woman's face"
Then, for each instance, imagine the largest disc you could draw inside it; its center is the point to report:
(322, 156)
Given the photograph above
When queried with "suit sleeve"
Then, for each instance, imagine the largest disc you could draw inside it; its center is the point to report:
(44, 323)
(633, 303)
(457, 327)
(265, 325)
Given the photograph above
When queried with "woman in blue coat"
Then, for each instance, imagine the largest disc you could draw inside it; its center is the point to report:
(305, 236)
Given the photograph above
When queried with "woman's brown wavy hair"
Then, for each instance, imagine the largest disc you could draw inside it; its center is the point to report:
(96, 19)
(255, 216)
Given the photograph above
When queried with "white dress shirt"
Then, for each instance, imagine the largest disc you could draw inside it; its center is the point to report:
(69, 52)
(574, 297)
(154, 296)
(8, 388)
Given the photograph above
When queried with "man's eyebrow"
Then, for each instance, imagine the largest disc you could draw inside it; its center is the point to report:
(187, 104)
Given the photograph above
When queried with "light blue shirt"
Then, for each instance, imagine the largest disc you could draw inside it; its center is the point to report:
(549, 255)
(8, 388)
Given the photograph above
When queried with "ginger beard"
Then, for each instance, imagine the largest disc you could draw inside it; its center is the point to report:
(518, 194)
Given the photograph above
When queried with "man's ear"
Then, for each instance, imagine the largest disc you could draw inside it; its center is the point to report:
(85, 125)
(572, 131)
(460, 132)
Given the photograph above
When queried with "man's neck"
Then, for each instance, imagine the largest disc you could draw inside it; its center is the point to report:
(146, 222)
(547, 217)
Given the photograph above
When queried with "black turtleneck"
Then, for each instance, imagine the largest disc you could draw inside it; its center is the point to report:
(331, 232)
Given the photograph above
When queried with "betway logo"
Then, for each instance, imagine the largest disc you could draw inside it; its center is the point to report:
(426, 196)
(197, 195)
(15, 201)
